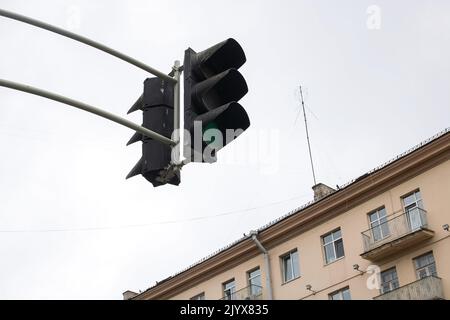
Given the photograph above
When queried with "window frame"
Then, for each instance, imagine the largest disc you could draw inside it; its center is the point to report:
(333, 242)
(426, 267)
(283, 269)
(341, 294)
(200, 295)
(233, 289)
(378, 220)
(416, 205)
(391, 287)
(249, 281)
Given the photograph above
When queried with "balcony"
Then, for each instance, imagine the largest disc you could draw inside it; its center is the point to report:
(252, 292)
(429, 288)
(396, 234)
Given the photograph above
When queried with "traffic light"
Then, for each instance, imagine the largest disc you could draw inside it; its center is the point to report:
(157, 104)
(212, 87)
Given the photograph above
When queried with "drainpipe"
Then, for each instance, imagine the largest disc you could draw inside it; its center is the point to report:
(254, 235)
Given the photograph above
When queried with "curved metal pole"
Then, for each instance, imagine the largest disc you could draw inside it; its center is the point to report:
(86, 41)
(176, 113)
(88, 108)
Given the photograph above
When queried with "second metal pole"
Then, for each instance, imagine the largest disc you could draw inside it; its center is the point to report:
(83, 106)
(176, 114)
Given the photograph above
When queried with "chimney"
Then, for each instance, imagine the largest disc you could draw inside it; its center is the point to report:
(321, 190)
(127, 295)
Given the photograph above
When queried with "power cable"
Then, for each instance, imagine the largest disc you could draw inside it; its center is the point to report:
(199, 218)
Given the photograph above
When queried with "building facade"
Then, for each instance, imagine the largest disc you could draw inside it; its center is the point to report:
(383, 236)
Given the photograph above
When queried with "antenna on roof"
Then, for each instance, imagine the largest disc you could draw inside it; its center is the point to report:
(307, 136)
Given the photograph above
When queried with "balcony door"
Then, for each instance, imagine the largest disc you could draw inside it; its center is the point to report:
(254, 282)
(379, 224)
(229, 290)
(389, 280)
(413, 205)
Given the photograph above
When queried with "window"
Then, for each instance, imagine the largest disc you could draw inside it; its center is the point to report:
(378, 224)
(425, 266)
(413, 204)
(290, 266)
(341, 294)
(229, 289)
(333, 246)
(389, 280)
(254, 282)
(200, 296)
(413, 200)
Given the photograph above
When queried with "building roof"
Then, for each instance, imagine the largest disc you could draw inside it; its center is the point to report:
(300, 209)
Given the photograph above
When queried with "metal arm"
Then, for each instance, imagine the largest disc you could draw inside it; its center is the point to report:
(88, 108)
(176, 113)
(86, 41)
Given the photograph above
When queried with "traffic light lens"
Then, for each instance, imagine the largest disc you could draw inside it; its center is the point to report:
(231, 116)
(211, 125)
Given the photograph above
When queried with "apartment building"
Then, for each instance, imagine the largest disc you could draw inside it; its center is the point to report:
(383, 236)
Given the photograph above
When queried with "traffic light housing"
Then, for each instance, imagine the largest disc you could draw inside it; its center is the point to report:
(212, 88)
(157, 104)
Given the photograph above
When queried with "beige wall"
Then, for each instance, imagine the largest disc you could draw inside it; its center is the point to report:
(434, 185)
(213, 287)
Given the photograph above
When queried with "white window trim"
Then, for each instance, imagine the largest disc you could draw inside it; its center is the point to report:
(340, 292)
(232, 289)
(291, 262)
(334, 247)
(415, 204)
(391, 288)
(378, 220)
(202, 294)
(426, 267)
(250, 278)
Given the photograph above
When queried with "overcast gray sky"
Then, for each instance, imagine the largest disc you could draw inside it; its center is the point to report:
(377, 76)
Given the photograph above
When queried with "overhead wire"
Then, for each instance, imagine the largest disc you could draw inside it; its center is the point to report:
(199, 218)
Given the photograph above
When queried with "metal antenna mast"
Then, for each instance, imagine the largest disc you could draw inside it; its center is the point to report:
(307, 136)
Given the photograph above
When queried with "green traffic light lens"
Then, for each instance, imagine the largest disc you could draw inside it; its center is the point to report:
(211, 125)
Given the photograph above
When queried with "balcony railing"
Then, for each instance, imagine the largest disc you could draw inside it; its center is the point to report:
(404, 230)
(429, 288)
(252, 292)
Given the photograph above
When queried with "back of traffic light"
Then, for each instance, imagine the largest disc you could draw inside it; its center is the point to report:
(157, 104)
